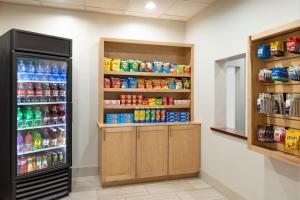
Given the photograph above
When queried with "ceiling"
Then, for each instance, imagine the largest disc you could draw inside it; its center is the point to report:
(166, 9)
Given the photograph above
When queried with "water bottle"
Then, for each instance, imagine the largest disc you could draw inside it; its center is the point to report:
(21, 70)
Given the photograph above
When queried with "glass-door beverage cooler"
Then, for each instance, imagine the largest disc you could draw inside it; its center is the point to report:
(36, 116)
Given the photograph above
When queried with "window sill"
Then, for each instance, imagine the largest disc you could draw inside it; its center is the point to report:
(230, 132)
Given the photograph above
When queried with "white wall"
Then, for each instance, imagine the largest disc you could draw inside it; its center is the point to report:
(219, 32)
(86, 28)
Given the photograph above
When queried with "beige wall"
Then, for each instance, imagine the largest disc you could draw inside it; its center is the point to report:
(85, 28)
(219, 32)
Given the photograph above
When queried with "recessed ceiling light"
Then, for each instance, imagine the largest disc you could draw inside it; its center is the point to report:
(150, 5)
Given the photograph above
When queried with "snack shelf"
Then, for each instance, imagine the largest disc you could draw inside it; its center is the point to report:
(283, 116)
(41, 150)
(286, 56)
(142, 106)
(104, 125)
(57, 82)
(148, 74)
(40, 127)
(147, 90)
(290, 82)
(41, 103)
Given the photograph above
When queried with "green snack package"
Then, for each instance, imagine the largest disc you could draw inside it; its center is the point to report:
(134, 65)
(124, 66)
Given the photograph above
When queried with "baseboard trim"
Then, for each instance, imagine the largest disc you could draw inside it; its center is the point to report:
(221, 187)
(84, 171)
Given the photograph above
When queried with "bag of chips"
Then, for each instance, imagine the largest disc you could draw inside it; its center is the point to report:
(292, 140)
(171, 83)
(124, 66)
(124, 83)
(156, 84)
(149, 66)
(133, 65)
(106, 83)
(141, 83)
(178, 84)
(115, 65)
(148, 84)
(166, 68)
(132, 82)
(115, 82)
(279, 134)
(142, 67)
(107, 64)
(173, 68)
(187, 69)
(186, 83)
(180, 69)
(158, 66)
(164, 84)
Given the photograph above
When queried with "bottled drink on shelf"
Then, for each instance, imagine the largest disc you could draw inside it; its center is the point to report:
(38, 92)
(20, 121)
(28, 142)
(38, 162)
(54, 116)
(28, 117)
(37, 140)
(54, 92)
(61, 113)
(54, 158)
(21, 66)
(53, 137)
(29, 70)
(47, 67)
(44, 161)
(46, 115)
(22, 165)
(45, 138)
(34, 164)
(63, 69)
(61, 92)
(60, 156)
(61, 136)
(20, 142)
(46, 92)
(38, 118)
(55, 71)
(29, 92)
(21, 92)
(29, 164)
(49, 159)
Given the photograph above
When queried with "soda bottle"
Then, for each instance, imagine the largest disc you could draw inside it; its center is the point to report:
(44, 161)
(28, 142)
(46, 116)
(53, 113)
(61, 92)
(45, 139)
(23, 165)
(34, 166)
(21, 71)
(29, 164)
(63, 72)
(21, 92)
(55, 71)
(38, 118)
(20, 121)
(61, 136)
(61, 113)
(37, 140)
(38, 162)
(54, 92)
(30, 70)
(46, 92)
(38, 92)
(20, 142)
(29, 93)
(53, 137)
(60, 156)
(47, 71)
(39, 71)
(54, 158)
(28, 117)
(49, 159)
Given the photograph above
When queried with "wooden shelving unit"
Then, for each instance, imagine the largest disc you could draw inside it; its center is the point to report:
(146, 74)
(129, 107)
(274, 150)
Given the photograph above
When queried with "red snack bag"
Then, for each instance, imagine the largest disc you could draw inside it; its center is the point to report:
(170, 101)
(106, 83)
(115, 82)
(140, 97)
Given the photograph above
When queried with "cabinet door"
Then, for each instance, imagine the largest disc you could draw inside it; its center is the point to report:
(152, 151)
(184, 149)
(118, 154)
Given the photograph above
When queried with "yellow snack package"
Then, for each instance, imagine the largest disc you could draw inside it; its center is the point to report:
(292, 140)
(115, 65)
(107, 64)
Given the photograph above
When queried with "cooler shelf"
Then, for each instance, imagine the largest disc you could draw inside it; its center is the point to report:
(57, 82)
(41, 103)
(40, 127)
(41, 150)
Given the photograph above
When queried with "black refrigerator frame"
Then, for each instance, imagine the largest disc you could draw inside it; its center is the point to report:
(44, 183)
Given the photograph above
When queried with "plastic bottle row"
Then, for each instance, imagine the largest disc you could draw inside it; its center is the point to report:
(37, 92)
(41, 70)
(27, 164)
(33, 140)
(33, 116)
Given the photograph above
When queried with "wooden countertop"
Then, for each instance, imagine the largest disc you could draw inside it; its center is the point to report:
(147, 124)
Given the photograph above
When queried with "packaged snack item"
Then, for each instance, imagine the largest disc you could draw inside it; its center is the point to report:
(163, 117)
(151, 101)
(141, 83)
(107, 64)
(166, 68)
(142, 115)
(173, 68)
(187, 69)
(107, 102)
(124, 83)
(170, 100)
(122, 96)
(148, 84)
(115, 82)
(157, 115)
(132, 82)
(148, 115)
(142, 67)
(178, 84)
(124, 66)
(292, 140)
(265, 133)
(158, 66)
(263, 51)
(106, 83)
(279, 134)
(265, 76)
(123, 101)
(277, 48)
(164, 84)
(115, 65)
(156, 84)
(158, 101)
(294, 73)
(186, 83)
(137, 115)
(165, 100)
(149, 66)
(134, 96)
(280, 74)
(180, 69)
(133, 65)
(293, 45)
(171, 83)
(152, 115)
(139, 97)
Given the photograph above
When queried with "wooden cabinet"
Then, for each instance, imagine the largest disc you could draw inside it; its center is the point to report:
(118, 158)
(152, 151)
(184, 149)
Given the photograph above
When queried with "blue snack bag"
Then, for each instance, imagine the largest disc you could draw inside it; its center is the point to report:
(166, 68)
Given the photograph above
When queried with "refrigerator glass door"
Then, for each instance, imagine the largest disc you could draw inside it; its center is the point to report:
(41, 114)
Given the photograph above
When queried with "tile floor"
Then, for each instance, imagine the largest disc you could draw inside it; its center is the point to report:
(89, 188)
